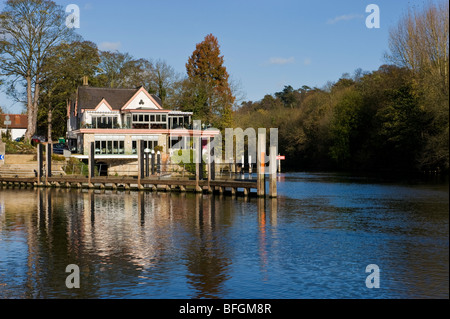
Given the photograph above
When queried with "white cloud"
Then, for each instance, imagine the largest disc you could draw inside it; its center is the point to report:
(109, 46)
(345, 17)
(307, 61)
(282, 61)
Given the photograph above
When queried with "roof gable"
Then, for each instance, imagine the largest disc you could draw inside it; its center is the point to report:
(142, 100)
(103, 106)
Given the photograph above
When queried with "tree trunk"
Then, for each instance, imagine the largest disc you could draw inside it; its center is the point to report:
(31, 129)
(49, 122)
(35, 103)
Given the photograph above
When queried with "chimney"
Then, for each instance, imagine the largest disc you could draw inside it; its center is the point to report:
(85, 81)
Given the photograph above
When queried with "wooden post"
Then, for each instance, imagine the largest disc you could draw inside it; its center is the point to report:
(158, 162)
(152, 160)
(209, 163)
(197, 164)
(147, 170)
(200, 171)
(40, 159)
(140, 152)
(48, 161)
(273, 172)
(91, 164)
(279, 165)
(261, 183)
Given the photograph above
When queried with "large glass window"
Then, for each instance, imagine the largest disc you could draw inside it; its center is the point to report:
(104, 122)
(110, 147)
(149, 121)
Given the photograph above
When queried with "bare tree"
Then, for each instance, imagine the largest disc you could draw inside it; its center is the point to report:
(420, 41)
(31, 28)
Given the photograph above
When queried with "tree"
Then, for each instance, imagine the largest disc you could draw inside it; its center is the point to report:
(64, 69)
(420, 42)
(32, 29)
(212, 96)
(164, 80)
(120, 70)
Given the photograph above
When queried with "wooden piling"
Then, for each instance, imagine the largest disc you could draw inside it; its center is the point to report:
(261, 183)
(48, 162)
(40, 160)
(91, 164)
(140, 151)
(273, 172)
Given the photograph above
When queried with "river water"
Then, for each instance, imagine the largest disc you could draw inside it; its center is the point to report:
(314, 241)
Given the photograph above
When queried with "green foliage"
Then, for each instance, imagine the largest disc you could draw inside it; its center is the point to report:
(374, 121)
(77, 167)
(190, 166)
(158, 148)
(13, 147)
(344, 127)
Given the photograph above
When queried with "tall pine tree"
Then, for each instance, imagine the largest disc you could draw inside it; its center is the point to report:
(210, 95)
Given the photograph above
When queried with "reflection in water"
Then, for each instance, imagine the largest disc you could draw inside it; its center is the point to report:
(207, 262)
(168, 245)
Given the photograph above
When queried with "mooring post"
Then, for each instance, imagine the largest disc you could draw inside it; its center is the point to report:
(140, 152)
(91, 164)
(209, 163)
(48, 161)
(213, 162)
(197, 163)
(152, 160)
(40, 159)
(158, 162)
(261, 183)
(147, 163)
(273, 172)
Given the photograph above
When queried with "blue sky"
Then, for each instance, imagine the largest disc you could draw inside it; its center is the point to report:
(266, 44)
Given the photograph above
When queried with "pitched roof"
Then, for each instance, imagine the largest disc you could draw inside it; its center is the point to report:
(90, 97)
(18, 121)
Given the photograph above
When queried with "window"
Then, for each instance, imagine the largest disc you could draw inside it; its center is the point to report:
(104, 122)
(110, 147)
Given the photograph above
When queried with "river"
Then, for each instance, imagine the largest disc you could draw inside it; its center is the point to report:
(314, 241)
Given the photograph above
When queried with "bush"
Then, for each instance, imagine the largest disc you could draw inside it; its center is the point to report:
(190, 166)
(77, 167)
(20, 148)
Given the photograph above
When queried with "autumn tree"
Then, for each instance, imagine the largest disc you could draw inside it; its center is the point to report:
(31, 29)
(208, 89)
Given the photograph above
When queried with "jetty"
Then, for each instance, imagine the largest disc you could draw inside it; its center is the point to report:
(148, 179)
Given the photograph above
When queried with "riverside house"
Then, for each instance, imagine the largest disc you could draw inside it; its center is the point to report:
(116, 119)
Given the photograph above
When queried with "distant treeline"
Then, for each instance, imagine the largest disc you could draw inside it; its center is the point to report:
(371, 121)
(393, 119)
